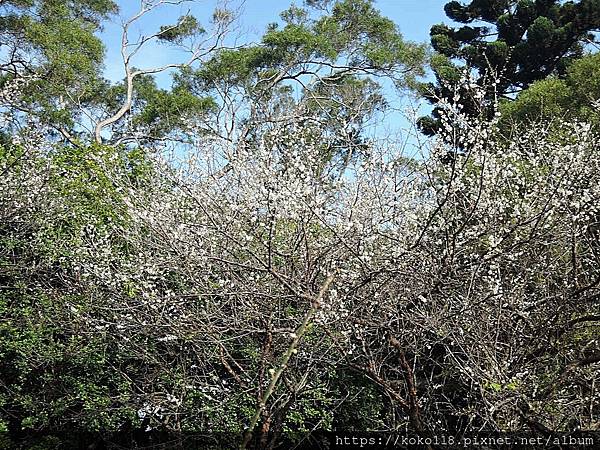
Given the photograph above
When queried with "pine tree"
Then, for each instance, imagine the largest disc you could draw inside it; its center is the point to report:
(514, 42)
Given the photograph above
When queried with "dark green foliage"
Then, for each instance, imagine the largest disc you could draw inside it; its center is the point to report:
(185, 27)
(55, 41)
(55, 371)
(566, 98)
(156, 111)
(513, 43)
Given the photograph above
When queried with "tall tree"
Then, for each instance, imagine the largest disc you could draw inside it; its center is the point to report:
(51, 64)
(51, 45)
(507, 43)
(326, 58)
(136, 110)
(326, 61)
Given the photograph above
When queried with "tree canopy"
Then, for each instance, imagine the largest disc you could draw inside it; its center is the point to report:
(573, 96)
(52, 46)
(508, 43)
